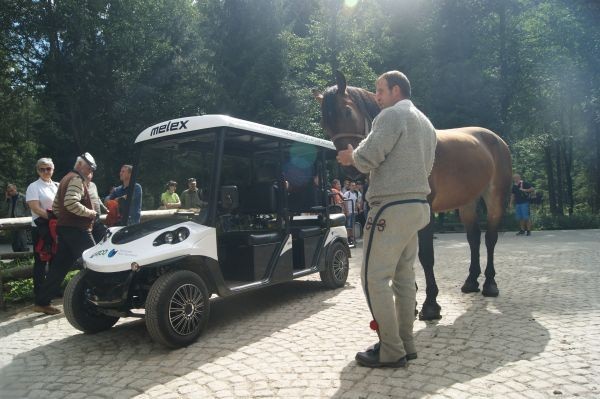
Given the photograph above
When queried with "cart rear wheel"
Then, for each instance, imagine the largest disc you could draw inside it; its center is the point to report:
(336, 266)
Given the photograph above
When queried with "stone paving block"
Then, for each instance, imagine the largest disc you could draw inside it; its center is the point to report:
(520, 344)
(76, 395)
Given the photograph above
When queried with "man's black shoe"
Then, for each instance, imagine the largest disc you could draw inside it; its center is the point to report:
(375, 348)
(371, 359)
(528, 232)
(520, 233)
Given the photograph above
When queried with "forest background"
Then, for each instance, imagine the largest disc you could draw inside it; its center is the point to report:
(89, 75)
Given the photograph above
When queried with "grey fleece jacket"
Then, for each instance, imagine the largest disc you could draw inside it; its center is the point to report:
(398, 154)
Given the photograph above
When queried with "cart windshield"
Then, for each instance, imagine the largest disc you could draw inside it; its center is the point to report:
(175, 175)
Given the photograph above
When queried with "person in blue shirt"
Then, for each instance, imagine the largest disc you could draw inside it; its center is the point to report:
(120, 194)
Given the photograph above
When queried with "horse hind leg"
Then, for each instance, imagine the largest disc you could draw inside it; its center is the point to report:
(495, 210)
(430, 310)
(468, 216)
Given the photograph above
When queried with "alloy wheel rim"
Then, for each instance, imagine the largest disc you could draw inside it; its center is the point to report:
(186, 309)
(340, 265)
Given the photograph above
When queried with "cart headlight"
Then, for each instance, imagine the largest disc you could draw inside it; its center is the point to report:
(182, 234)
(172, 237)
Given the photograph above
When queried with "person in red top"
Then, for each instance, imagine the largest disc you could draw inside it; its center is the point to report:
(75, 217)
(337, 198)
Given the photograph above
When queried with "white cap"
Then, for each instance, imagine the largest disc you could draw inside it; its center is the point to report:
(87, 157)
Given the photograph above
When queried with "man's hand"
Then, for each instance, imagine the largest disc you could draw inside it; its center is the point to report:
(344, 157)
(93, 215)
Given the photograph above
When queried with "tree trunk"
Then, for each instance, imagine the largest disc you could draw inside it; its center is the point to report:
(559, 179)
(504, 84)
(566, 146)
(333, 36)
(567, 149)
(595, 170)
(550, 176)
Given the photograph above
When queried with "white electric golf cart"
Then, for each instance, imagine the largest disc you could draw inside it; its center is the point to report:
(260, 218)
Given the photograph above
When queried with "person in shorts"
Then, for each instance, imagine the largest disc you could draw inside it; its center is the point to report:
(521, 190)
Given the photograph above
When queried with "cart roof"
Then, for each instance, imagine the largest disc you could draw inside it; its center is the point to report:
(178, 126)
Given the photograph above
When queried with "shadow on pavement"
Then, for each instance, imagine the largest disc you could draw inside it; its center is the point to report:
(478, 342)
(124, 357)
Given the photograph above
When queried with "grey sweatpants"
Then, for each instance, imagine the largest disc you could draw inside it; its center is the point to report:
(388, 277)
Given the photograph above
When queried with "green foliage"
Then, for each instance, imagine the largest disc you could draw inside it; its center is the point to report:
(547, 221)
(22, 290)
(78, 76)
(18, 290)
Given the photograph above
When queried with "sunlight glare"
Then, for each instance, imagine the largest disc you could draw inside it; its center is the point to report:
(350, 3)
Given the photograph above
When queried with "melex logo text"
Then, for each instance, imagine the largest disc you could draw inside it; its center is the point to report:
(169, 127)
(99, 253)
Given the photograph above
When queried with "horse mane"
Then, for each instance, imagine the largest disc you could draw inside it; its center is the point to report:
(361, 97)
(365, 102)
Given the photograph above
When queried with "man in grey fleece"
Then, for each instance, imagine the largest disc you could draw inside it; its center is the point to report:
(398, 154)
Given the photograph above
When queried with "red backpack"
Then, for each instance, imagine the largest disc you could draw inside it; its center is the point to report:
(113, 217)
(47, 244)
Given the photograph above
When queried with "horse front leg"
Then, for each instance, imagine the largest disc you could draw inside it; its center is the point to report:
(430, 309)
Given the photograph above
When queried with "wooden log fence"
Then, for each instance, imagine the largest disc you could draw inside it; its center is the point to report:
(26, 271)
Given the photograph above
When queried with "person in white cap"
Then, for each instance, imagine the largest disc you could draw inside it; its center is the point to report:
(75, 213)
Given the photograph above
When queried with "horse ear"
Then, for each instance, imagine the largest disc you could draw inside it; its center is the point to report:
(340, 80)
(318, 96)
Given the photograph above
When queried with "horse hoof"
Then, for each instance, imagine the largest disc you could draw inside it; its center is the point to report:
(490, 289)
(430, 312)
(470, 286)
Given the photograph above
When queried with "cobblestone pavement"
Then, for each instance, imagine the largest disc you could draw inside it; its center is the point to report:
(539, 338)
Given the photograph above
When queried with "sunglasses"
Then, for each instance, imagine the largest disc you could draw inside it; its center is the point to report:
(45, 169)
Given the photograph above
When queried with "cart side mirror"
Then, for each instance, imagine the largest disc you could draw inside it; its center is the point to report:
(230, 198)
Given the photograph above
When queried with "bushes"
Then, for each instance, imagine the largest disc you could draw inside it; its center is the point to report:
(546, 221)
(541, 219)
(22, 290)
(18, 291)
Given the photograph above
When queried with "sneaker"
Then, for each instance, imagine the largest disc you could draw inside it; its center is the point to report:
(528, 232)
(51, 310)
(521, 232)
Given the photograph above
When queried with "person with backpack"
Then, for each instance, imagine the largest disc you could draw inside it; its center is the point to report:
(39, 196)
(75, 214)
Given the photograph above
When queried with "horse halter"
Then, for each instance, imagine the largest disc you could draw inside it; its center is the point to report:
(353, 135)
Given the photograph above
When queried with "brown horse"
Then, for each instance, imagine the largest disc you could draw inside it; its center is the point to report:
(470, 163)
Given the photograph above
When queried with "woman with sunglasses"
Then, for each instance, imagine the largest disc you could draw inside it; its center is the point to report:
(39, 196)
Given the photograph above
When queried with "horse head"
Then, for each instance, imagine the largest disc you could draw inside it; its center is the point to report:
(347, 113)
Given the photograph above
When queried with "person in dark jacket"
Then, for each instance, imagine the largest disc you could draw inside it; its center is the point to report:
(521, 190)
(17, 207)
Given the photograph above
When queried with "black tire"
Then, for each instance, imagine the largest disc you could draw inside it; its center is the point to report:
(83, 315)
(336, 266)
(177, 308)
